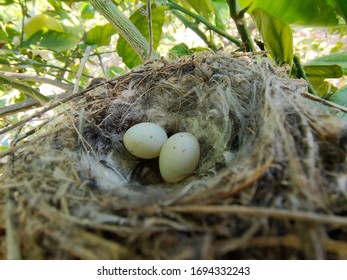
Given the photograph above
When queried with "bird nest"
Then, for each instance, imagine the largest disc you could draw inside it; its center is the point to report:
(271, 181)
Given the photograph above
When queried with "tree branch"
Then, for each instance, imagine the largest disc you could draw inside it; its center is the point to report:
(173, 5)
(238, 18)
(37, 78)
(24, 88)
(150, 29)
(80, 68)
(124, 27)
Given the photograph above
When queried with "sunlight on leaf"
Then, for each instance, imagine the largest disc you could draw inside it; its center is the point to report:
(277, 35)
(42, 22)
(302, 12)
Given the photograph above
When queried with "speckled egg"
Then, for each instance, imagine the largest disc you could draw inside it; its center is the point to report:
(179, 157)
(145, 140)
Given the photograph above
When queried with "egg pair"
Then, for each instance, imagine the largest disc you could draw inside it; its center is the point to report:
(178, 155)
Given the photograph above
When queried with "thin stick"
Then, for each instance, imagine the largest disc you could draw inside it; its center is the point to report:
(44, 110)
(281, 214)
(12, 237)
(173, 5)
(240, 22)
(325, 102)
(80, 69)
(195, 28)
(37, 78)
(150, 29)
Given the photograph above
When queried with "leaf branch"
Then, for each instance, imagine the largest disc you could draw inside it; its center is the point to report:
(174, 6)
(195, 28)
(238, 18)
(37, 78)
(150, 29)
(124, 27)
(24, 88)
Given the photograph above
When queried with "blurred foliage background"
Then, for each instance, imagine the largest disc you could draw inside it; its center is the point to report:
(42, 43)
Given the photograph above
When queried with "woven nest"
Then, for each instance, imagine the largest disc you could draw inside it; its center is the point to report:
(271, 181)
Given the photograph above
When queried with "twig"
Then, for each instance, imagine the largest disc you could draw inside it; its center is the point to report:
(325, 102)
(238, 18)
(37, 78)
(302, 74)
(280, 214)
(52, 106)
(24, 88)
(32, 62)
(103, 68)
(150, 29)
(80, 69)
(124, 27)
(12, 237)
(24, 10)
(27, 104)
(195, 28)
(19, 107)
(289, 241)
(173, 5)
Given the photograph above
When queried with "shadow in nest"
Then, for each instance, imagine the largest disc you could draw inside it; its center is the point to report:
(271, 181)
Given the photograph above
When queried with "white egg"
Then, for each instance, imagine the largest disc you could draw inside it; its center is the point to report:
(145, 140)
(179, 157)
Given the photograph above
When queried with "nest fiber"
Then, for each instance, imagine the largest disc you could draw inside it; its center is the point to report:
(271, 181)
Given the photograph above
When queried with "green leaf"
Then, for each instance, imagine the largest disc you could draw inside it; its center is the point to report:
(317, 74)
(204, 8)
(130, 58)
(87, 11)
(277, 36)
(340, 7)
(331, 59)
(24, 88)
(323, 71)
(301, 12)
(178, 51)
(321, 86)
(6, 2)
(3, 36)
(19, 97)
(221, 13)
(340, 96)
(12, 32)
(42, 22)
(100, 35)
(52, 40)
(115, 71)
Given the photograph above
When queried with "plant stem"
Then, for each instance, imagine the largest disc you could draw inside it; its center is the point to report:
(37, 78)
(124, 27)
(238, 18)
(150, 30)
(173, 5)
(302, 74)
(326, 102)
(24, 88)
(80, 68)
(195, 28)
(24, 11)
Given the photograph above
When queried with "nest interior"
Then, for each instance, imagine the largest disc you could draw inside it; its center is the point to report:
(271, 181)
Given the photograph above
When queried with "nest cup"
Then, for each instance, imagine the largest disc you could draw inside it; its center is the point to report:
(271, 181)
